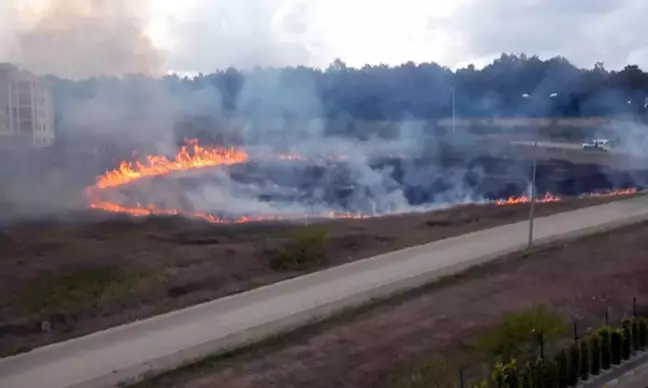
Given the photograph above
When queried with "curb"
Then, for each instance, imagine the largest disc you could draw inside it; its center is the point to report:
(619, 380)
(615, 376)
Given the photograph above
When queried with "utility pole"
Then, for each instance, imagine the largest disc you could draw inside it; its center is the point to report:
(533, 190)
(454, 116)
(532, 200)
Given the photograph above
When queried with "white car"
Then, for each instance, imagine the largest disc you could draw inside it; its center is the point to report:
(598, 144)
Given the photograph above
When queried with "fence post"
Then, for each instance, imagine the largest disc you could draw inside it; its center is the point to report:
(575, 331)
(461, 378)
(607, 316)
(634, 306)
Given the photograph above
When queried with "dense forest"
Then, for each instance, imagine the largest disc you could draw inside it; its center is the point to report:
(513, 85)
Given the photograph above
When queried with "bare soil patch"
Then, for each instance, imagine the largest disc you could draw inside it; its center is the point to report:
(373, 347)
(64, 279)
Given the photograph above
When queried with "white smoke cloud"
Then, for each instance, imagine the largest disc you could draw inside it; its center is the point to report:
(205, 35)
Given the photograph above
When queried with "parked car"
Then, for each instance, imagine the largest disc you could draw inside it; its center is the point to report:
(598, 145)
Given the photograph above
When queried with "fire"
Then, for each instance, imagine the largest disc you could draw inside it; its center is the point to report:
(548, 197)
(193, 156)
(190, 156)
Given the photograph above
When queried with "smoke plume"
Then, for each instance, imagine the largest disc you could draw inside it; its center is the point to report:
(83, 38)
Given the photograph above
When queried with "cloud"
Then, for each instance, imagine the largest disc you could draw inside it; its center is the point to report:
(205, 35)
(602, 30)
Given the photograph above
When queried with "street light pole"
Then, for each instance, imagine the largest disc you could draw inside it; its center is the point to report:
(453, 111)
(533, 191)
(532, 200)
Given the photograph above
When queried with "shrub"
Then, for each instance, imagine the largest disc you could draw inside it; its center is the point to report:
(574, 361)
(606, 348)
(506, 375)
(79, 289)
(643, 333)
(521, 333)
(538, 372)
(626, 342)
(595, 347)
(563, 369)
(304, 250)
(616, 339)
(636, 340)
(481, 384)
(583, 365)
(550, 377)
(526, 377)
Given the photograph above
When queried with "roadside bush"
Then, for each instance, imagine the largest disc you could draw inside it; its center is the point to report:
(550, 378)
(636, 340)
(562, 364)
(626, 342)
(606, 348)
(643, 333)
(520, 334)
(538, 372)
(304, 250)
(616, 339)
(526, 376)
(595, 346)
(583, 366)
(79, 289)
(506, 375)
(574, 362)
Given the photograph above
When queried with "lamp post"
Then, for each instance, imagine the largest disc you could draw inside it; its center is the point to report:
(532, 200)
(454, 116)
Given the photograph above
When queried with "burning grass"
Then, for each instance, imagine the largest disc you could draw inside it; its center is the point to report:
(193, 156)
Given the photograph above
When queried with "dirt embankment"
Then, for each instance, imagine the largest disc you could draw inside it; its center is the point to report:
(60, 280)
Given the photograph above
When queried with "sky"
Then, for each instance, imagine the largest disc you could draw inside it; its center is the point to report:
(83, 37)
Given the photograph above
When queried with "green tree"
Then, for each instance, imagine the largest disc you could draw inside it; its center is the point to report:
(522, 333)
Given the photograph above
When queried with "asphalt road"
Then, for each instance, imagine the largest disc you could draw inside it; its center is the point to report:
(108, 358)
(639, 379)
(564, 146)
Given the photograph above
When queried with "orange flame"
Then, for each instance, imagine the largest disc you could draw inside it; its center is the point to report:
(193, 156)
(548, 197)
(189, 157)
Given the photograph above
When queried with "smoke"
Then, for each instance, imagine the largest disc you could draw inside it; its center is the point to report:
(83, 38)
(383, 167)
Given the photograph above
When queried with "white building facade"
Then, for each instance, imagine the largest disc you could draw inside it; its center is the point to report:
(26, 109)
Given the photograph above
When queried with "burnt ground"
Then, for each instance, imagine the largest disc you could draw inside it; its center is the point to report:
(402, 343)
(64, 279)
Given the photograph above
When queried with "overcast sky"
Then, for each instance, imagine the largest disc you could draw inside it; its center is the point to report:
(204, 35)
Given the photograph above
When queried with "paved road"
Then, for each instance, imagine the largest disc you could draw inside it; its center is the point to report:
(107, 358)
(563, 146)
(638, 379)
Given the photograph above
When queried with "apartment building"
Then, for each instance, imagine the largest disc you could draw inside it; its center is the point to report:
(26, 109)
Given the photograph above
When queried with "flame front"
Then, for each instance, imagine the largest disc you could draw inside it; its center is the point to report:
(548, 197)
(193, 156)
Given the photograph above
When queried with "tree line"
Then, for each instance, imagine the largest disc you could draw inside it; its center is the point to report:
(513, 85)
